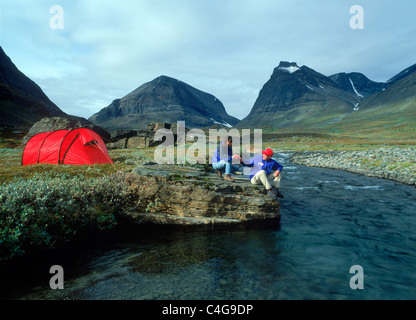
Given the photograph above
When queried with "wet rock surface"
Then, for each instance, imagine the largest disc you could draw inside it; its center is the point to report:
(179, 195)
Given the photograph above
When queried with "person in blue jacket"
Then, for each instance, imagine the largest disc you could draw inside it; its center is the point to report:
(222, 159)
(266, 171)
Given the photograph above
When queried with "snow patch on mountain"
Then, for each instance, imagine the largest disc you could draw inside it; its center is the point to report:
(226, 124)
(355, 90)
(290, 69)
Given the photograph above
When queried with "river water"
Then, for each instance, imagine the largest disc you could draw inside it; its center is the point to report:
(331, 220)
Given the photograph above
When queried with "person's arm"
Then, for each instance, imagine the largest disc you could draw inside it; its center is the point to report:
(277, 168)
(215, 157)
(250, 164)
(223, 152)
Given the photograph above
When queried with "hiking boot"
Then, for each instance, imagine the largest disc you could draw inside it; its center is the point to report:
(219, 174)
(278, 194)
(272, 193)
(228, 177)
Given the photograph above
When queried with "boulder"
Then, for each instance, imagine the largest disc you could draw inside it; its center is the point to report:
(137, 142)
(179, 195)
(59, 123)
(122, 134)
(120, 144)
(141, 138)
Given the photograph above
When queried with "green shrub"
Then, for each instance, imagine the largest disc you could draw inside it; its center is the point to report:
(45, 210)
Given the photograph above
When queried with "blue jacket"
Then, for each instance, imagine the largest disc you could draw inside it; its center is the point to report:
(259, 164)
(218, 156)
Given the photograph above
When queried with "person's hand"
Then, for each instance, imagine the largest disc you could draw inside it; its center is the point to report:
(276, 173)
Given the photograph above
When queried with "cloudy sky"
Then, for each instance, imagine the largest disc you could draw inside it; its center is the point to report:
(228, 48)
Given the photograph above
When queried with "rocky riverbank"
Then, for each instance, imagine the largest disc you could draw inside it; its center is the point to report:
(398, 164)
(178, 195)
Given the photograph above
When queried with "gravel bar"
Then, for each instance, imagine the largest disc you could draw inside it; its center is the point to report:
(398, 164)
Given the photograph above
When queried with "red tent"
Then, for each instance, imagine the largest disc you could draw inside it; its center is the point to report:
(78, 146)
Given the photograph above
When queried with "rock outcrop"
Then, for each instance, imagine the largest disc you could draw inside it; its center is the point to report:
(130, 139)
(177, 195)
(66, 123)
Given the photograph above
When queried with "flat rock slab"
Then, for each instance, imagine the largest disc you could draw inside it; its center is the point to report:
(180, 195)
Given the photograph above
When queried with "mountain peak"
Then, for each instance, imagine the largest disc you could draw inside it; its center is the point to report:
(164, 99)
(295, 95)
(165, 79)
(288, 66)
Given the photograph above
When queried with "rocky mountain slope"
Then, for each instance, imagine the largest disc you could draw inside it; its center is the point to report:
(297, 95)
(358, 84)
(403, 74)
(301, 99)
(22, 102)
(24, 107)
(163, 99)
(390, 113)
(401, 89)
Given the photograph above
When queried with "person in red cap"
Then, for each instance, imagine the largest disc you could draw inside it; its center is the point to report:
(266, 171)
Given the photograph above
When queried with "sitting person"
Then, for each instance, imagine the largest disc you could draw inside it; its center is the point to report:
(222, 160)
(266, 171)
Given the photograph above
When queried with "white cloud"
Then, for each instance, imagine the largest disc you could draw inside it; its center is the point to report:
(227, 48)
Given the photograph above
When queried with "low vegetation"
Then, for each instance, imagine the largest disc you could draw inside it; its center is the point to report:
(44, 205)
(52, 208)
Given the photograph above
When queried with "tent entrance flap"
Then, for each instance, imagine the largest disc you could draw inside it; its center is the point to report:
(92, 142)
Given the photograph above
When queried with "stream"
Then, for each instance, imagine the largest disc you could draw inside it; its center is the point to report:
(331, 220)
